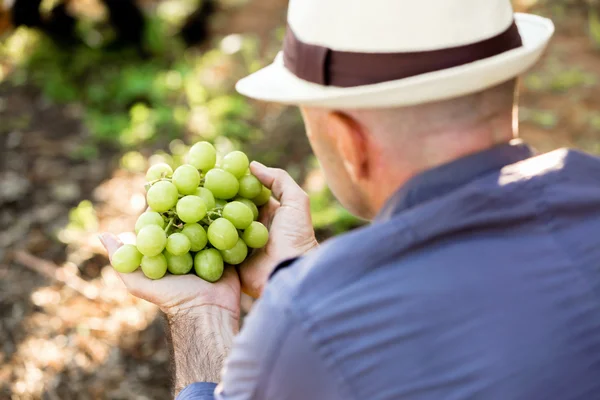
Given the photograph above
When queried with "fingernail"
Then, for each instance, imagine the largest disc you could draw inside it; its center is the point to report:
(260, 170)
(257, 164)
(101, 239)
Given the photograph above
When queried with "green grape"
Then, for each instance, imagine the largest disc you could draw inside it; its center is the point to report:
(151, 240)
(237, 254)
(202, 156)
(178, 244)
(196, 235)
(206, 196)
(250, 205)
(149, 218)
(256, 235)
(222, 184)
(222, 234)
(235, 163)
(158, 171)
(220, 203)
(191, 209)
(263, 198)
(154, 267)
(126, 259)
(250, 186)
(179, 265)
(186, 178)
(162, 196)
(208, 265)
(238, 214)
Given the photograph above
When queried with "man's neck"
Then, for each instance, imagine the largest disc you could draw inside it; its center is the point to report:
(433, 150)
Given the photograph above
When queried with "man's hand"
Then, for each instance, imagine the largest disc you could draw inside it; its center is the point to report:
(291, 233)
(202, 317)
(181, 294)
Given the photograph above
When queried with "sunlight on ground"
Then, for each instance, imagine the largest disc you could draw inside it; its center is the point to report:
(84, 324)
(72, 331)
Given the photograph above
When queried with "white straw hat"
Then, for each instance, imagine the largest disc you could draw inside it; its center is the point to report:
(386, 53)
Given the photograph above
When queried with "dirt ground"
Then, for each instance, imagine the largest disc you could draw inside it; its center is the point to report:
(68, 330)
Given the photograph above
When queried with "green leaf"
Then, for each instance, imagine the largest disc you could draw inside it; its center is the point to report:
(594, 26)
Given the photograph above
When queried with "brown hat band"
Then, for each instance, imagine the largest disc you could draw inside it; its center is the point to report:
(328, 67)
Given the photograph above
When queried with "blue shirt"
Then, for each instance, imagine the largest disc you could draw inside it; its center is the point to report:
(480, 279)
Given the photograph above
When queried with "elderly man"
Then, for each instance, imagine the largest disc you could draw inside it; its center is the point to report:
(479, 277)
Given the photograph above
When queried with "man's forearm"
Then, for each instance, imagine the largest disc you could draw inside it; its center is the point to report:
(200, 343)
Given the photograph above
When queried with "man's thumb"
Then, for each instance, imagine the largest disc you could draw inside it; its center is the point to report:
(284, 188)
(110, 242)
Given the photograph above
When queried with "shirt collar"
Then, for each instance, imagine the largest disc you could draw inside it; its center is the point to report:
(445, 178)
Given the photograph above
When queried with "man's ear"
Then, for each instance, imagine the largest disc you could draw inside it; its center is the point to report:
(351, 141)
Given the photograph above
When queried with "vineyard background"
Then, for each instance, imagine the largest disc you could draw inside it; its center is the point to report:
(79, 123)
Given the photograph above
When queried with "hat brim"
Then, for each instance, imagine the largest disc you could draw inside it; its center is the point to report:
(275, 83)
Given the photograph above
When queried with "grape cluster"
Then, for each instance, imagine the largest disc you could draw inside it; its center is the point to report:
(201, 216)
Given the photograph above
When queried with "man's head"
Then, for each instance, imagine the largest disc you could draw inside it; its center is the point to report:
(374, 83)
(367, 154)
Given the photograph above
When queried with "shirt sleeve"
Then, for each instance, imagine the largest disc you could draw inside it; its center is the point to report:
(198, 391)
(274, 359)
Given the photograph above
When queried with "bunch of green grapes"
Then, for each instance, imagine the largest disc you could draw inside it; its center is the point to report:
(200, 217)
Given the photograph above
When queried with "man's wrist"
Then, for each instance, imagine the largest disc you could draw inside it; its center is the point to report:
(201, 340)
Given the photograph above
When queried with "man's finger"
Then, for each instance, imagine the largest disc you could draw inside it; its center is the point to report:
(267, 212)
(229, 273)
(284, 188)
(111, 243)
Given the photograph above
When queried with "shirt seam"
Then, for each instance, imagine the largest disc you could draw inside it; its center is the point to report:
(402, 226)
(345, 389)
(548, 220)
(272, 356)
(302, 319)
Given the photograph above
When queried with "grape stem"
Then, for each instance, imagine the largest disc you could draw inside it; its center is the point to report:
(158, 180)
(213, 214)
(148, 185)
(169, 225)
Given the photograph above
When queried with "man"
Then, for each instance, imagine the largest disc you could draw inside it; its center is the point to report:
(479, 277)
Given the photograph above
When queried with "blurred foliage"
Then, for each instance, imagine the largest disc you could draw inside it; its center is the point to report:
(128, 100)
(559, 78)
(542, 118)
(594, 27)
(180, 95)
(176, 96)
(82, 219)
